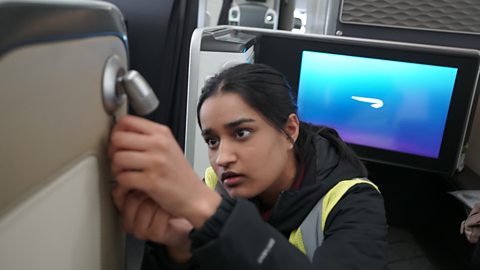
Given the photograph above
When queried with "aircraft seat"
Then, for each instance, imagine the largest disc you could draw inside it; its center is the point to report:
(55, 205)
(253, 14)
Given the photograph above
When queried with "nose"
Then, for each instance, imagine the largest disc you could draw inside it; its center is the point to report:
(226, 154)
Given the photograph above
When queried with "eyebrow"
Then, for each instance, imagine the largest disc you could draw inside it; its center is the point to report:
(230, 125)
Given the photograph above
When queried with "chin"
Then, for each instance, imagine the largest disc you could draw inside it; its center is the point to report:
(239, 193)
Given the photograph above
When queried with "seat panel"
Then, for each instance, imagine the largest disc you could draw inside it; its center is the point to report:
(57, 226)
(53, 212)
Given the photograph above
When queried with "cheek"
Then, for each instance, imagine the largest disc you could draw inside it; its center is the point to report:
(211, 158)
(267, 162)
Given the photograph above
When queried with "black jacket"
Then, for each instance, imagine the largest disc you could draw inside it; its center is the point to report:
(355, 230)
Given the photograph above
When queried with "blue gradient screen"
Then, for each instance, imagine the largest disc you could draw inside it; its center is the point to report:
(385, 104)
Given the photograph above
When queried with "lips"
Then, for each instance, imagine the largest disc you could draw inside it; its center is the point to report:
(231, 179)
(226, 175)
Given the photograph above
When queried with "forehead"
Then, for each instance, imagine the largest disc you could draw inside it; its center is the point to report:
(224, 108)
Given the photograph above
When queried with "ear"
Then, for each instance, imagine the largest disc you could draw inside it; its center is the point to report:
(292, 127)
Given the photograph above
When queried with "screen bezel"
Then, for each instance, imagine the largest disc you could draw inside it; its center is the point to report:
(269, 47)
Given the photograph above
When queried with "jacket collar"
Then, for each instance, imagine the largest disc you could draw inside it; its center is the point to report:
(323, 171)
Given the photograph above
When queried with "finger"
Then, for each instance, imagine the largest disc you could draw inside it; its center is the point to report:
(132, 206)
(144, 218)
(179, 229)
(123, 140)
(473, 221)
(159, 225)
(473, 212)
(132, 180)
(129, 161)
(476, 208)
(181, 223)
(468, 234)
(128, 140)
(475, 235)
(138, 125)
(119, 195)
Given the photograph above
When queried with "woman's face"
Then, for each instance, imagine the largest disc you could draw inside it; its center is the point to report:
(249, 155)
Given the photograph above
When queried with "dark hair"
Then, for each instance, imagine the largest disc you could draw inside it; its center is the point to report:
(267, 91)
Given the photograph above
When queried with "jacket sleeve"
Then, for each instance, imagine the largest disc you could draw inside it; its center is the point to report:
(355, 238)
(247, 242)
(355, 232)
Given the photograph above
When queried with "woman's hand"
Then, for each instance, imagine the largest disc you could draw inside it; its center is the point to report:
(471, 226)
(146, 157)
(146, 220)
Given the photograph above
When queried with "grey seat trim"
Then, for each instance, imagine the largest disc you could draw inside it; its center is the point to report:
(23, 22)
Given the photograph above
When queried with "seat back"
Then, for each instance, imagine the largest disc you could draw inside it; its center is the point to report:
(250, 13)
(55, 206)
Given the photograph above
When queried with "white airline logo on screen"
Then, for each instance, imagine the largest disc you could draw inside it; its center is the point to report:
(374, 102)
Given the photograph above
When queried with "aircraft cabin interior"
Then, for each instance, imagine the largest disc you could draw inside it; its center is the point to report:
(398, 80)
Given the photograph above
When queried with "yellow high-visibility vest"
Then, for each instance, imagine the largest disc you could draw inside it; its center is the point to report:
(309, 236)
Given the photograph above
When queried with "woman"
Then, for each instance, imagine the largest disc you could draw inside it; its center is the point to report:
(289, 195)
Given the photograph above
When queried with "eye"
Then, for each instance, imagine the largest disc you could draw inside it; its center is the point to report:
(242, 133)
(212, 142)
